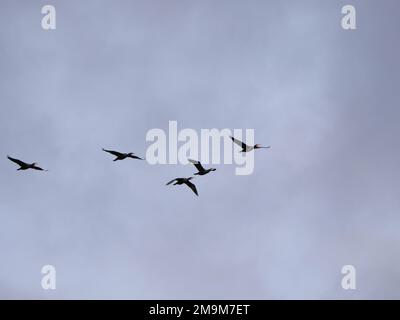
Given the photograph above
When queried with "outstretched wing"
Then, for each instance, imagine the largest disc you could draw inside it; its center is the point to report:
(19, 162)
(171, 182)
(197, 164)
(38, 168)
(115, 153)
(192, 186)
(239, 143)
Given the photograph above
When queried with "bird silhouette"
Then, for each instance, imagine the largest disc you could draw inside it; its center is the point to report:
(122, 156)
(180, 181)
(24, 165)
(247, 148)
(200, 168)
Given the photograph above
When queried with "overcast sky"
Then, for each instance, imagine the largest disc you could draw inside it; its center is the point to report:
(326, 194)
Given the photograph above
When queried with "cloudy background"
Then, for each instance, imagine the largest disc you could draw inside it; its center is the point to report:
(326, 195)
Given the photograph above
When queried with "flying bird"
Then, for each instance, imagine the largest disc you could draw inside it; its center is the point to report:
(122, 156)
(179, 181)
(247, 148)
(200, 168)
(24, 165)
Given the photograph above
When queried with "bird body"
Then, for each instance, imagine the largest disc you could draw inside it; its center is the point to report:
(247, 148)
(200, 168)
(25, 166)
(180, 181)
(121, 155)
